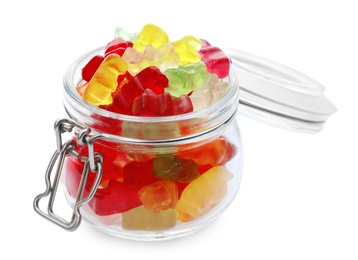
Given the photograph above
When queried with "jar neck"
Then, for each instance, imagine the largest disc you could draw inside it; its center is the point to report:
(204, 122)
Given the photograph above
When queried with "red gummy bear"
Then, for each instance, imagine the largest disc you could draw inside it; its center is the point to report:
(73, 173)
(90, 68)
(120, 196)
(151, 104)
(215, 59)
(114, 162)
(182, 105)
(117, 197)
(149, 78)
(139, 172)
(118, 46)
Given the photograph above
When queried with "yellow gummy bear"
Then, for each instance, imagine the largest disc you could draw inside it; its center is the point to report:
(150, 34)
(188, 49)
(104, 81)
(203, 193)
(142, 219)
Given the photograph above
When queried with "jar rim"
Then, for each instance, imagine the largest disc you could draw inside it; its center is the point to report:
(71, 92)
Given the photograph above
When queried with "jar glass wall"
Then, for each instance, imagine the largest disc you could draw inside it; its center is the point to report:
(163, 177)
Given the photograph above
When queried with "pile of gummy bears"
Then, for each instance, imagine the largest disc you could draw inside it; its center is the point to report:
(152, 76)
(147, 75)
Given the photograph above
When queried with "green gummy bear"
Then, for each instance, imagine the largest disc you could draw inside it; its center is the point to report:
(121, 32)
(186, 79)
(172, 168)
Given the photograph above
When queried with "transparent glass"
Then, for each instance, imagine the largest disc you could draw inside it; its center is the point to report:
(163, 177)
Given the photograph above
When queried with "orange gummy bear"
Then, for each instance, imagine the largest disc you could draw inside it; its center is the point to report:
(160, 195)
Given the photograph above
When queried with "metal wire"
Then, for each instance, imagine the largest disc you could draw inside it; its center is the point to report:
(93, 162)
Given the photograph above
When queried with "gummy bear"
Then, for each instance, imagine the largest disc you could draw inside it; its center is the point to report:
(173, 168)
(163, 57)
(90, 68)
(150, 34)
(104, 81)
(122, 80)
(151, 104)
(186, 78)
(215, 59)
(117, 197)
(187, 48)
(210, 92)
(121, 194)
(160, 195)
(203, 193)
(211, 153)
(182, 105)
(231, 151)
(140, 218)
(138, 172)
(120, 32)
(118, 46)
(72, 176)
(112, 167)
(149, 78)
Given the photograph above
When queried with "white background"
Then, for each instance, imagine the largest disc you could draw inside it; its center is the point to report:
(299, 193)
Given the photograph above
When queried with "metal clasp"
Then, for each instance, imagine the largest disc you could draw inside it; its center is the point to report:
(93, 162)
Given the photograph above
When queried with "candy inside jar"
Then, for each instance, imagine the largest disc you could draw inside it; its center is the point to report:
(154, 190)
(162, 118)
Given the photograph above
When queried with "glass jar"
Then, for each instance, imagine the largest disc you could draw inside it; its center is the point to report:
(146, 178)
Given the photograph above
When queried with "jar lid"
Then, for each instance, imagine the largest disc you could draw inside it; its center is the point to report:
(278, 95)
